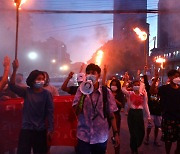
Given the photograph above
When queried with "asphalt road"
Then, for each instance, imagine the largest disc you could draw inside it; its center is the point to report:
(125, 149)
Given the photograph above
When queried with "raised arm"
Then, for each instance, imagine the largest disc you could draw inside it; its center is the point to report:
(153, 89)
(6, 65)
(20, 91)
(64, 86)
(104, 76)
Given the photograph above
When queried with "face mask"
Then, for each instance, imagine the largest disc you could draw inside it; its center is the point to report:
(39, 84)
(114, 88)
(136, 88)
(176, 81)
(92, 78)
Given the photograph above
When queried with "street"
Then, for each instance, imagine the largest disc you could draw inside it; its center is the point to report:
(124, 140)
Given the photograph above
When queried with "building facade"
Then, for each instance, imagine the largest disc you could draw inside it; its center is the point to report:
(168, 33)
(124, 24)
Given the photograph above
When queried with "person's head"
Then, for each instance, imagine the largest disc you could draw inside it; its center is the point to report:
(115, 85)
(136, 85)
(157, 82)
(173, 74)
(47, 80)
(93, 72)
(19, 78)
(36, 79)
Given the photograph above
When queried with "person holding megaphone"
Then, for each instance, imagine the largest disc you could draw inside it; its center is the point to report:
(95, 107)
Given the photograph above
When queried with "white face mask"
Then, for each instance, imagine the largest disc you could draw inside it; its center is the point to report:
(176, 80)
(114, 88)
(92, 78)
(136, 88)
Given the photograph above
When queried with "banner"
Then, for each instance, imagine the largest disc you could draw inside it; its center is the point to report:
(65, 122)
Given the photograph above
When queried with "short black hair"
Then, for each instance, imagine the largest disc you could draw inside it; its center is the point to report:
(47, 78)
(93, 67)
(172, 73)
(32, 77)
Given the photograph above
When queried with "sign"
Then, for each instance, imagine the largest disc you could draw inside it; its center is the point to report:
(65, 122)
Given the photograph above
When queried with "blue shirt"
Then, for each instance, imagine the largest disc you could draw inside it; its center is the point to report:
(36, 109)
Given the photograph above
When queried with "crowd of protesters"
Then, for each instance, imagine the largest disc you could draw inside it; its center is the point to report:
(98, 108)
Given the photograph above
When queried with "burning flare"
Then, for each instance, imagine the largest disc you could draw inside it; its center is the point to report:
(20, 2)
(141, 34)
(99, 57)
(161, 61)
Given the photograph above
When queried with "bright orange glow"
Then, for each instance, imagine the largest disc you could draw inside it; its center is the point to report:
(141, 34)
(22, 2)
(161, 61)
(99, 57)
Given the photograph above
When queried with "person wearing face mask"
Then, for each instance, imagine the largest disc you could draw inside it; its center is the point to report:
(37, 109)
(170, 99)
(115, 87)
(93, 126)
(136, 102)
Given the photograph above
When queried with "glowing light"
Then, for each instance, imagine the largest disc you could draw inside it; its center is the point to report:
(141, 34)
(19, 2)
(99, 57)
(63, 68)
(53, 61)
(161, 61)
(32, 55)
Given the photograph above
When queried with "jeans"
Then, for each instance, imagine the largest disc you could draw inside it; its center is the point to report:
(87, 148)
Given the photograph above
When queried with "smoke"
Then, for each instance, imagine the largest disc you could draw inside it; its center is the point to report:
(101, 34)
(169, 25)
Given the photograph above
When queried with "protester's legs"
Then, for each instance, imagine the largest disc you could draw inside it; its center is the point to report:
(25, 142)
(40, 142)
(83, 147)
(99, 148)
(177, 148)
(136, 128)
(118, 123)
(168, 147)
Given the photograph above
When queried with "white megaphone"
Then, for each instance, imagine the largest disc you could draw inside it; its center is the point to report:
(87, 87)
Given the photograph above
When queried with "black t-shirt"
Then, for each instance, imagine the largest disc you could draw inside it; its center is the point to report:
(170, 100)
(73, 90)
(154, 102)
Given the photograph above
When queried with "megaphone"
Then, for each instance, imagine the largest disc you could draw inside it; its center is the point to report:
(87, 87)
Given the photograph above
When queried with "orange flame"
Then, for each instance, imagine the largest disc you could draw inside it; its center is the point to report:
(99, 57)
(161, 61)
(21, 2)
(141, 34)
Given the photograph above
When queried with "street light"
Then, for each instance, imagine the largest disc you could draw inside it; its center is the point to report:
(64, 68)
(143, 37)
(32, 55)
(17, 3)
(53, 61)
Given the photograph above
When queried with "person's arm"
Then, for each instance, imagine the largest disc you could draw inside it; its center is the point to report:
(146, 107)
(114, 128)
(104, 76)
(50, 112)
(50, 117)
(153, 89)
(6, 65)
(147, 86)
(20, 91)
(64, 86)
(113, 108)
